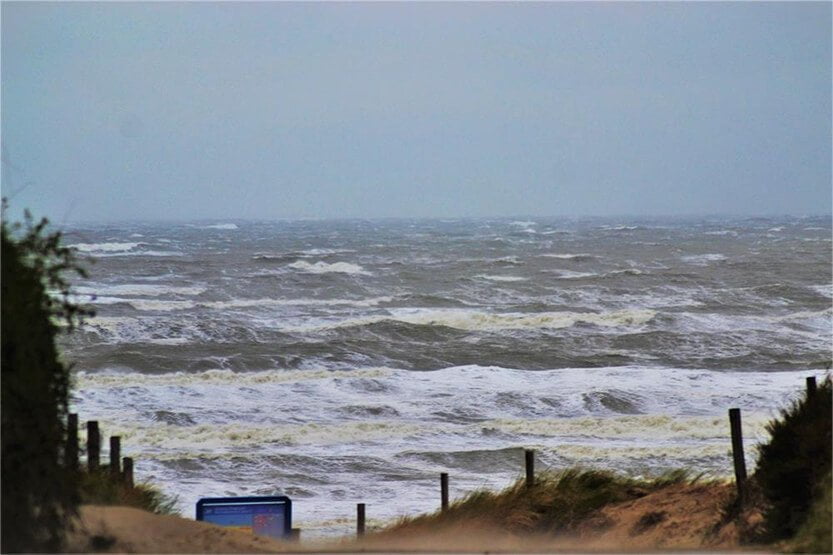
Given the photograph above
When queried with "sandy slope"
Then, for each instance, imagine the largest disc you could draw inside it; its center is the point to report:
(128, 530)
(678, 517)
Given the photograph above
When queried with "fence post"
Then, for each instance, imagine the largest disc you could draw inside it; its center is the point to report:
(127, 475)
(444, 491)
(71, 452)
(811, 386)
(115, 457)
(360, 514)
(93, 445)
(529, 455)
(737, 452)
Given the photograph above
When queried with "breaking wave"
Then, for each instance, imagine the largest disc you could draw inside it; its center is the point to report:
(325, 268)
(472, 320)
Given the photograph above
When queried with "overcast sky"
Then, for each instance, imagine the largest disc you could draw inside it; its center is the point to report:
(120, 111)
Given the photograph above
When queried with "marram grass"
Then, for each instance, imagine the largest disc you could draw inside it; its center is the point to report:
(98, 488)
(557, 501)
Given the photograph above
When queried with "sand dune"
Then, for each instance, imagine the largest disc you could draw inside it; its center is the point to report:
(678, 517)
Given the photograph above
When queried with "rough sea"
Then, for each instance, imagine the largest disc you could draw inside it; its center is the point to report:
(353, 361)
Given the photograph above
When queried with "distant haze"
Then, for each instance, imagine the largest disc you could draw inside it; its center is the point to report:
(134, 111)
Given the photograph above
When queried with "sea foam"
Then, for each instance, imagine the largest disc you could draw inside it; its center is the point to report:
(325, 268)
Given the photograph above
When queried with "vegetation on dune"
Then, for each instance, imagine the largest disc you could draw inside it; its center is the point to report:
(556, 503)
(98, 488)
(39, 495)
(793, 472)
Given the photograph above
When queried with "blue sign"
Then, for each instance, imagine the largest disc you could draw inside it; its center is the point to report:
(264, 516)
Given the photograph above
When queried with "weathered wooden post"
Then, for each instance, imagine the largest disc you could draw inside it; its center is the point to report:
(71, 452)
(360, 514)
(93, 445)
(115, 457)
(530, 467)
(444, 491)
(737, 452)
(127, 475)
(811, 386)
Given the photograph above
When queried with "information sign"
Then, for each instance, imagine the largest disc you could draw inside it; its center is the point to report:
(264, 516)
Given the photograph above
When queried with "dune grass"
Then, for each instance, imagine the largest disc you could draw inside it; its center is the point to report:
(98, 488)
(557, 502)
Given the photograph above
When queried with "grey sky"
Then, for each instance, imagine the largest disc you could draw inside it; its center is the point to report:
(276, 110)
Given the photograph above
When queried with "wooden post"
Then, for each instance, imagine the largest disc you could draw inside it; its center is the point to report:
(115, 457)
(444, 491)
(360, 514)
(93, 445)
(811, 386)
(530, 467)
(127, 475)
(295, 535)
(737, 452)
(71, 452)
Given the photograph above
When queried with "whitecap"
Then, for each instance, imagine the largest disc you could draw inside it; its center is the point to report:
(703, 259)
(255, 303)
(569, 274)
(143, 289)
(325, 268)
(473, 320)
(826, 290)
(104, 247)
(569, 256)
(221, 226)
(501, 278)
(144, 304)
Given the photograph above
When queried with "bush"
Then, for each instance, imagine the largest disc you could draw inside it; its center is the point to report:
(793, 466)
(39, 496)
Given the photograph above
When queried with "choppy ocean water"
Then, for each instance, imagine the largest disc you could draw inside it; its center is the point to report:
(353, 361)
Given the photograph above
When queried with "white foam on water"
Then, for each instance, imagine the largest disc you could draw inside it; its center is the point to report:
(722, 232)
(221, 226)
(570, 274)
(825, 289)
(325, 252)
(143, 289)
(112, 379)
(703, 259)
(325, 268)
(223, 449)
(569, 256)
(474, 320)
(104, 247)
(215, 439)
(256, 303)
(144, 304)
(501, 278)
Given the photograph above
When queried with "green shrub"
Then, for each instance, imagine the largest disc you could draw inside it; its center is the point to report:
(792, 467)
(38, 495)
